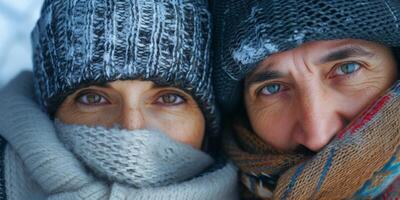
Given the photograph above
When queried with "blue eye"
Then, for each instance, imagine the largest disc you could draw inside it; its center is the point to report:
(347, 68)
(271, 89)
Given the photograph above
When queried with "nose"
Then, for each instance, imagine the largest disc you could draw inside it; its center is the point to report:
(132, 119)
(318, 118)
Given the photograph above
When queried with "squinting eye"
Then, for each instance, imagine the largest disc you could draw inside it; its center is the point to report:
(347, 68)
(92, 99)
(271, 89)
(170, 99)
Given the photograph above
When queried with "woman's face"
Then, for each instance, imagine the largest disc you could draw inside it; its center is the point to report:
(135, 104)
(305, 96)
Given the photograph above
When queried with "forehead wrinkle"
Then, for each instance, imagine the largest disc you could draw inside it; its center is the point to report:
(347, 51)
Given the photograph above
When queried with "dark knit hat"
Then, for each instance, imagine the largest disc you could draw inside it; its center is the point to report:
(81, 43)
(247, 31)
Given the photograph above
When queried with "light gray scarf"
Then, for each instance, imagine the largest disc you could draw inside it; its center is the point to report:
(139, 158)
(154, 168)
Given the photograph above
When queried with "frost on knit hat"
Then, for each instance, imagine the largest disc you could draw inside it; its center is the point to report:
(81, 43)
(247, 31)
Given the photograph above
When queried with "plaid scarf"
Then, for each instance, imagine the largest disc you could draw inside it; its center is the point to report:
(361, 162)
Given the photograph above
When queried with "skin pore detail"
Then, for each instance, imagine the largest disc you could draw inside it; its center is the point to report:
(305, 96)
(135, 104)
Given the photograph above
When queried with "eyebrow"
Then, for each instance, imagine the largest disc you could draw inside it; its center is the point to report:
(346, 52)
(262, 76)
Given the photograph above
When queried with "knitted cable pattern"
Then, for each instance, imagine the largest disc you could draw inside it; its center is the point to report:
(361, 162)
(82, 43)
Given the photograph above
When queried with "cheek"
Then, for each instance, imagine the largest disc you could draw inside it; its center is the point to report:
(186, 125)
(355, 99)
(353, 103)
(72, 114)
(272, 123)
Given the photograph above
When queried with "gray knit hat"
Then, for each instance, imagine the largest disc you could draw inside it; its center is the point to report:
(247, 31)
(80, 43)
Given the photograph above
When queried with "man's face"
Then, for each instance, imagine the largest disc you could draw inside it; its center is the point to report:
(306, 95)
(137, 105)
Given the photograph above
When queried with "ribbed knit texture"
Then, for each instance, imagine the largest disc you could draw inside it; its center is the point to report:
(20, 114)
(247, 31)
(60, 174)
(81, 43)
(361, 162)
(19, 184)
(137, 158)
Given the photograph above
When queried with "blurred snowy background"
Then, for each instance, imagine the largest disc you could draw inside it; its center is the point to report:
(17, 18)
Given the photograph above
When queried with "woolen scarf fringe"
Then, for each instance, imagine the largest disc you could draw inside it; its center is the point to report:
(362, 161)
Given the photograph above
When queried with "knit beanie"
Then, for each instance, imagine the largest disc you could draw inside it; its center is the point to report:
(82, 43)
(247, 31)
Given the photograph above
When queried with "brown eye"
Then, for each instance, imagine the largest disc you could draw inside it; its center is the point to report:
(170, 99)
(92, 99)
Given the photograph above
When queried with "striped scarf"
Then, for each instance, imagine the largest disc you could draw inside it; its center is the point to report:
(361, 162)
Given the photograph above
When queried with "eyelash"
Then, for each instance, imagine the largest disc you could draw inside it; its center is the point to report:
(336, 67)
(182, 97)
(259, 90)
(159, 99)
(88, 92)
(361, 65)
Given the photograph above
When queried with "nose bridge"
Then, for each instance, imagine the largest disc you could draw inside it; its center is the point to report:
(132, 117)
(310, 98)
(316, 116)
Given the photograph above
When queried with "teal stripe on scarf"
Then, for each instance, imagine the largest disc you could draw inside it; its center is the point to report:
(326, 168)
(293, 180)
(392, 171)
